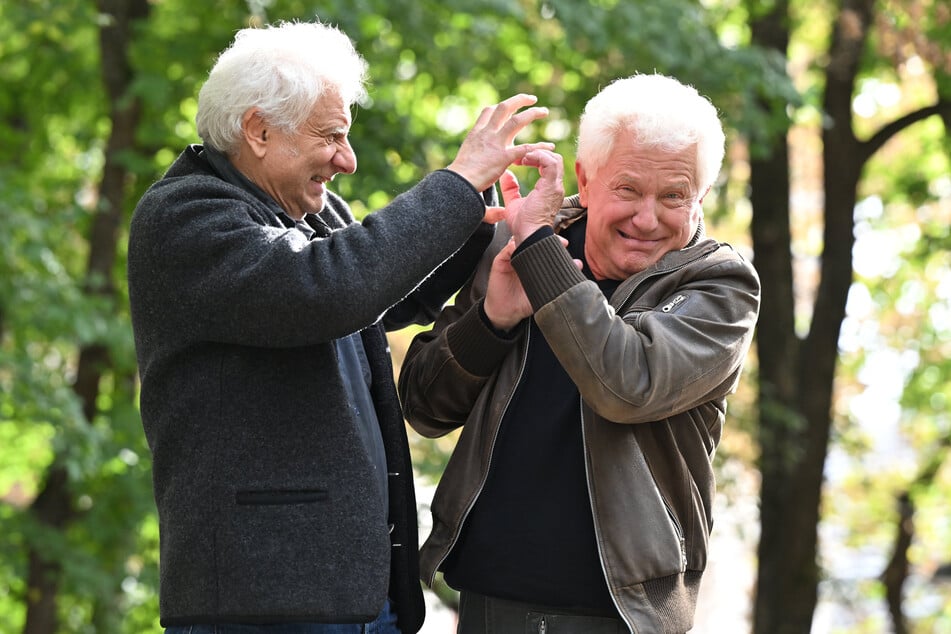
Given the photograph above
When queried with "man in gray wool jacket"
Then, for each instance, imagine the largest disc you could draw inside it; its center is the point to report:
(281, 468)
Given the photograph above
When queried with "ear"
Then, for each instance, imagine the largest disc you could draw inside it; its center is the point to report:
(582, 183)
(255, 131)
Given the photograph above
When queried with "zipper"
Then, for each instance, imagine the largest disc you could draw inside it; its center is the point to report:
(542, 626)
(485, 476)
(597, 528)
(679, 531)
(597, 525)
(669, 306)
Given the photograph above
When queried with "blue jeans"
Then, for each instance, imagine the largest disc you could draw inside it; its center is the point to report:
(383, 624)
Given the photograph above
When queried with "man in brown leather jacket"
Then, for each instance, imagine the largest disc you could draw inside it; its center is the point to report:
(588, 363)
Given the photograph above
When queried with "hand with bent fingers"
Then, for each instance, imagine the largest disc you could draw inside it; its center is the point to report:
(526, 215)
(489, 147)
(505, 301)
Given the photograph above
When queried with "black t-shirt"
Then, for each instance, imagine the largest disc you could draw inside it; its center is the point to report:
(530, 536)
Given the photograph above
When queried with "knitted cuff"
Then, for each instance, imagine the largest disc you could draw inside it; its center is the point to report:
(546, 271)
(476, 348)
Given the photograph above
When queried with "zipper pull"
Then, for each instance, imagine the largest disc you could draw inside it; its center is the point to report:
(673, 303)
(542, 626)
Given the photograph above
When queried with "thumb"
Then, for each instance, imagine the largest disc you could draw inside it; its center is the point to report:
(493, 215)
(509, 186)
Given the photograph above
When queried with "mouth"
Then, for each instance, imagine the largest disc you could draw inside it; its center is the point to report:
(630, 238)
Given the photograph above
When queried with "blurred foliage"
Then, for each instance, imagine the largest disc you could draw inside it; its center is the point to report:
(433, 66)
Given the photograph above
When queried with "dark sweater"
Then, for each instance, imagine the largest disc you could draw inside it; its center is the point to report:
(267, 505)
(536, 493)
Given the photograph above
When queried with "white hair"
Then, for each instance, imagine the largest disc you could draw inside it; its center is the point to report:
(281, 70)
(660, 112)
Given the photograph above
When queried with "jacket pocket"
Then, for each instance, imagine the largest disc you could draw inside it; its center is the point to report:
(280, 496)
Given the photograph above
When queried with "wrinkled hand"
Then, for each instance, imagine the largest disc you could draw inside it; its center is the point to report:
(488, 149)
(526, 215)
(505, 301)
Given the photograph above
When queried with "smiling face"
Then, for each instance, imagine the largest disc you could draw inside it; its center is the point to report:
(294, 168)
(641, 204)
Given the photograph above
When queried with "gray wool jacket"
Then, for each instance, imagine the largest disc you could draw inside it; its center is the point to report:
(267, 505)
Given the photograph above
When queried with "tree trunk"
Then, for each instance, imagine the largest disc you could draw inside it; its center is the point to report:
(53, 506)
(54, 509)
(896, 572)
(778, 351)
(797, 386)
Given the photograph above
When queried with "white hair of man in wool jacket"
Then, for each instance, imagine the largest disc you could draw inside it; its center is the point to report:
(282, 70)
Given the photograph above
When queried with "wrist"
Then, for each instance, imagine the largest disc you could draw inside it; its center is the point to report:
(527, 230)
(499, 329)
(540, 233)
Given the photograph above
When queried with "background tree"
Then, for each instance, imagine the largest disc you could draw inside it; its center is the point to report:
(100, 96)
(797, 378)
(98, 99)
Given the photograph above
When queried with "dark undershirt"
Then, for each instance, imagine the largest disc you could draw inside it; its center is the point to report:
(530, 536)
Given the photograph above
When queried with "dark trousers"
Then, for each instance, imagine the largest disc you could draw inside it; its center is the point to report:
(479, 614)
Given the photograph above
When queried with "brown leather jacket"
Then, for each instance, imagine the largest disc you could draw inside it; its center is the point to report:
(653, 366)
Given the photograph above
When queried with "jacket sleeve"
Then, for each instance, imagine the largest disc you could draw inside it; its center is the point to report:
(446, 367)
(422, 306)
(208, 261)
(670, 350)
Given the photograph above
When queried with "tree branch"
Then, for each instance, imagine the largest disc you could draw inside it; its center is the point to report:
(896, 572)
(877, 140)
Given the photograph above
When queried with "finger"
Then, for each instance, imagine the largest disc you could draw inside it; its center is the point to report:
(485, 116)
(504, 110)
(542, 158)
(519, 121)
(508, 183)
(551, 166)
(520, 151)
(493, 215)
(504, 256)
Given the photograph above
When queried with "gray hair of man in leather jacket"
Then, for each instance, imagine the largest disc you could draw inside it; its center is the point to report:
(660, 111)
(649, 149)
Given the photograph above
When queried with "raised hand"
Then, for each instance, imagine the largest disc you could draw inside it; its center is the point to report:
(505, 301)
(489, 147)
(526, 215)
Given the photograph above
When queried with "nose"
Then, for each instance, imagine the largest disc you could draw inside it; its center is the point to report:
(345, 159)
(645, 215)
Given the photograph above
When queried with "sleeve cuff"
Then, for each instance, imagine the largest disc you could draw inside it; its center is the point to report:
(475, 344)
(540, 234)
(546, 270)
